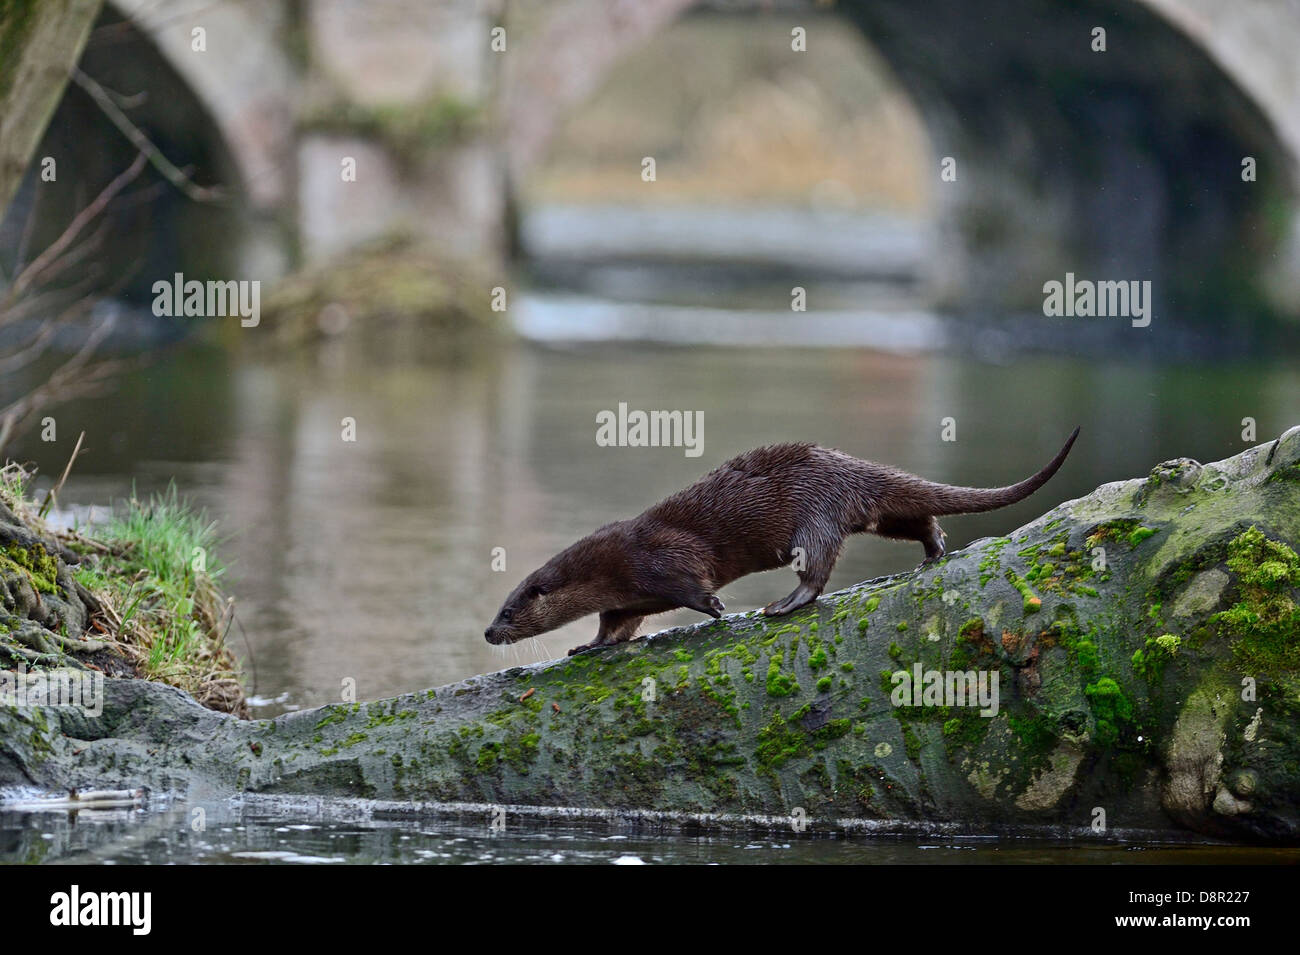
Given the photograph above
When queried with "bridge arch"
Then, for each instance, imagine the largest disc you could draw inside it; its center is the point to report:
(151, 230)
(1118, 163)
(244, 78)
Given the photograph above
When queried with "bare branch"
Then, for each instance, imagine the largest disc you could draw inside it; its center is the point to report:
(59, 245)
(142, 142)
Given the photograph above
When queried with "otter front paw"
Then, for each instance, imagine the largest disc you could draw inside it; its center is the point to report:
(801, 597)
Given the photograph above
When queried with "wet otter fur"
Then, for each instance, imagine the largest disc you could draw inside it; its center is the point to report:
(766, 508)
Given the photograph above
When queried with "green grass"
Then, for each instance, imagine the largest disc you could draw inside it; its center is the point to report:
(162, 573)
(153, 567)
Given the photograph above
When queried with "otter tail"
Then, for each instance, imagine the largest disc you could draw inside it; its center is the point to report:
(940, 499)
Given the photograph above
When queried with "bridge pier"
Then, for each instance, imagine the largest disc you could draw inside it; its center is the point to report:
(393, 134)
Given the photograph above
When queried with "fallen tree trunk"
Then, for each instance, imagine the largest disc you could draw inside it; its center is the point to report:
(1143, 642)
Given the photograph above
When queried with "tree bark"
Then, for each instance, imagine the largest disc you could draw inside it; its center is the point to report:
(40, 42)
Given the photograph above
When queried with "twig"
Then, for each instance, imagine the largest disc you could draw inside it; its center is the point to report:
(142, 142)
(50, 498)
(48, 328)
(51, 254)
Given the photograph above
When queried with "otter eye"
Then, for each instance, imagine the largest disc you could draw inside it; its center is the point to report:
(536, 591)
(507, 615)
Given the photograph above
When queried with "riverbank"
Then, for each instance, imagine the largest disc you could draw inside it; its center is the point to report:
(135, 597)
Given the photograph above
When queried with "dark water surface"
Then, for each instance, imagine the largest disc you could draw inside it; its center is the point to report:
(255, 838)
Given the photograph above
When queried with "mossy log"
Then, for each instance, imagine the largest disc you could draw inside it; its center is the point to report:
(1145, 640)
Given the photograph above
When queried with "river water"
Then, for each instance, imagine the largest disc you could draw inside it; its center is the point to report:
(317, 832)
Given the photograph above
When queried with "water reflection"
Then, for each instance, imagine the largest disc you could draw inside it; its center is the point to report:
(310, 838)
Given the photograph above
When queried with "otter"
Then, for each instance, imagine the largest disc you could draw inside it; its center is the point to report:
(766, 508)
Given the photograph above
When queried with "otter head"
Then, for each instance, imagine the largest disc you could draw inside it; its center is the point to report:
(575, 582)
(533, 607)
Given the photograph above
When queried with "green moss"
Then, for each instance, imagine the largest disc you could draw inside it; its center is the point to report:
(1139, 535)
(1031, 601)
(1082, 649)
(911, 742)
(336, 714)
(964, 732)
(1264, 623)
(1149, 662)
(387, 719)
(1289, 473)
(833, 730)
(990, 562)
(520, 752)
(1039, 571)
(488, 754)
(1111, 709)
(1169, 643)
(778, 743)
(818, 660)
(779, 684)
(824, 684)
(33, 564)
(1036, 738)
(1111, 530)
(1128, 528)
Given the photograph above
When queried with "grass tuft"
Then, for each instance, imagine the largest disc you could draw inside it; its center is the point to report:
(153, 577)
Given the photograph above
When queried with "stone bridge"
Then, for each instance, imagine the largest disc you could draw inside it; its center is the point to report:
(1122, 162)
